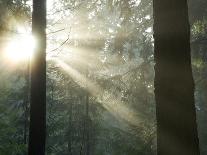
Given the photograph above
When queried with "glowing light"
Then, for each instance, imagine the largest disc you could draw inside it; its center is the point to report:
(20, 48)
(107, 99)
(148, 30)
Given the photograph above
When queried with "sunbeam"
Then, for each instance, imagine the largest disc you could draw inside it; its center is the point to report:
(109, 101)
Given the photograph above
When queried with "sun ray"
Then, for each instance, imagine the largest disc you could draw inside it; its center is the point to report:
(81, 58)
(109, 101)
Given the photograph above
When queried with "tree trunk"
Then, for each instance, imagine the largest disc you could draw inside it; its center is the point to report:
(174, 85)
(37, 131)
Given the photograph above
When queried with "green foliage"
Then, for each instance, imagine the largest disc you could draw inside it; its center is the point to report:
(112, 46)
(12, 13)
(11, 116)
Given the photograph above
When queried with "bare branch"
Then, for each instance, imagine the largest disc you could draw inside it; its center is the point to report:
(56, 31)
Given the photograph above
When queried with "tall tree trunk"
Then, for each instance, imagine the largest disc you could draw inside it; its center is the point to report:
(37, 131)
(174, 85)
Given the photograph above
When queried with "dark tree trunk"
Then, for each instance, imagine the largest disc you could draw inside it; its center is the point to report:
(37, 131)
(174, 85)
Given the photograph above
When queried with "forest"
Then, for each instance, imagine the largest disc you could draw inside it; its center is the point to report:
(103, 77)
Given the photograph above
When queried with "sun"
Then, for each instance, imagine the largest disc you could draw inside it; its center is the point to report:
(20, 48)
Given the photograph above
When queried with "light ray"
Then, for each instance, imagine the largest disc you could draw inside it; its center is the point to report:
(109, 101)
(82, 58)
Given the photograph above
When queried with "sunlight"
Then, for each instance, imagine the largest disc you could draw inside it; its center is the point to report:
(108, 100)
(20, 48)
(80, 56)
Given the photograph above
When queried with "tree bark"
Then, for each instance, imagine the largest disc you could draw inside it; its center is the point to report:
(37, 132)
(174, 85)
